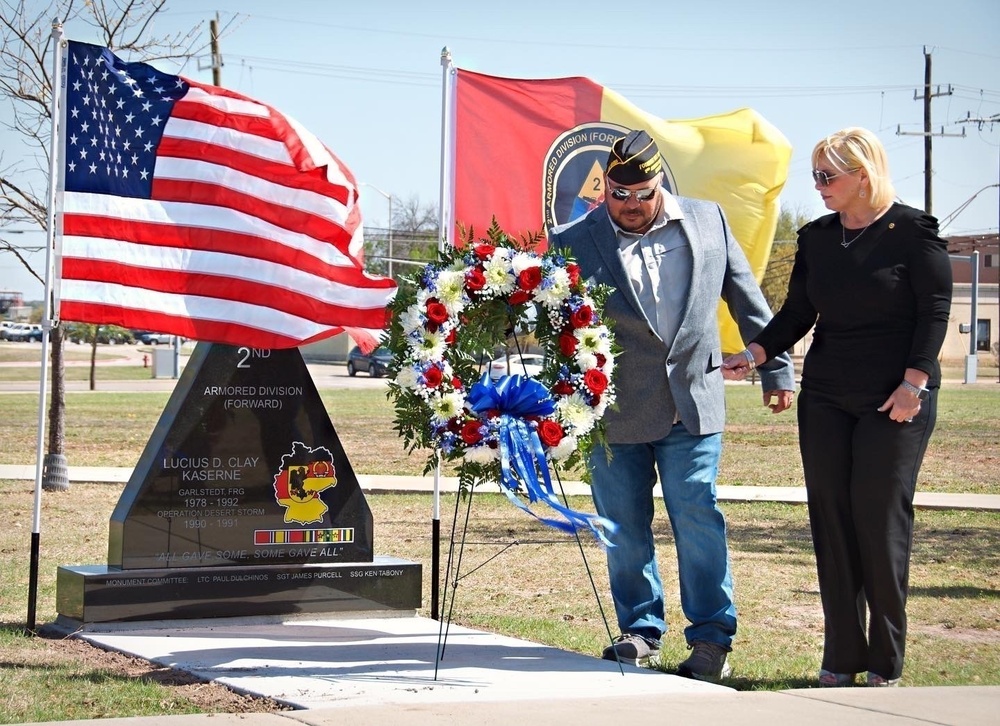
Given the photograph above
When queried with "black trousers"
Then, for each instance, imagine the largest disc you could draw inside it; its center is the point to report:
(861, 472)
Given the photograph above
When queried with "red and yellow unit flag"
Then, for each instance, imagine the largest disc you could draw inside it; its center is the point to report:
(531, 153)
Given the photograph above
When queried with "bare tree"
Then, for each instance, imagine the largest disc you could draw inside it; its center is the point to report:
(779, 264)
(26, 86)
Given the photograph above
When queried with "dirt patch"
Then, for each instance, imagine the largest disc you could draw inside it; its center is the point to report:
(961, 635)
(206, 695)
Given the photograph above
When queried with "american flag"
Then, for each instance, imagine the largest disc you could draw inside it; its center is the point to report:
(193, 210)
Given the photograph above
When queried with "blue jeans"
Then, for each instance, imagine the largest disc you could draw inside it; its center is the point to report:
(623, 492)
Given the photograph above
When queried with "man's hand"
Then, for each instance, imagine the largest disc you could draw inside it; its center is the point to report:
(779, 401)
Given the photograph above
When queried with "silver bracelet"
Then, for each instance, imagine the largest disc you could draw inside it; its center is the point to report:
(749, 356)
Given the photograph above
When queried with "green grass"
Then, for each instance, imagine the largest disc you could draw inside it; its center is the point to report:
(760, 449)
(38, 689)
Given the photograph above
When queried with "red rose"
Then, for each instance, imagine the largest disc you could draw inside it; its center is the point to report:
(470, 432)
(567, 344)
(456, 383)
(454, 425)
(563, 388)
(550, 433)
(432, 377)
(595, 381)
(483, 251)
(573, 270)
(475, 280)
(601, 360)
(581, 317)
(519, 296)
(437, 313)
(530, 278)
(450, 337)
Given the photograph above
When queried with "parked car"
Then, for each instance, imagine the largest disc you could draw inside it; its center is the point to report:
(5, 329)
(375, 364)
(149, 337)
(24, 332)
(530, 364)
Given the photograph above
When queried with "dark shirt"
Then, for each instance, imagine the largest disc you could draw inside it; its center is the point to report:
(880, 305)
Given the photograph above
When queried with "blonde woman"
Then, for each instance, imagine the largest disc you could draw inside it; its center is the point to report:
(875, 280)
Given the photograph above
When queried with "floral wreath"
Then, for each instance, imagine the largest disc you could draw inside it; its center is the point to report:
(451, 316)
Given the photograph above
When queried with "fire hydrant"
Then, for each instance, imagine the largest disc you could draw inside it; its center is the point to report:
(145, 360)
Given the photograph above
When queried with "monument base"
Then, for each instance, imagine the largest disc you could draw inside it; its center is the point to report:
(98, 594)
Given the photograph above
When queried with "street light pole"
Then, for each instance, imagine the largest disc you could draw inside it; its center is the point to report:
(389, 198)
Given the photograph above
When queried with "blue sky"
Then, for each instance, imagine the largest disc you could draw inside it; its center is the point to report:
(366, 79)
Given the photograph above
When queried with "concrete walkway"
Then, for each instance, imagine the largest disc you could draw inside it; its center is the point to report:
(387, 672)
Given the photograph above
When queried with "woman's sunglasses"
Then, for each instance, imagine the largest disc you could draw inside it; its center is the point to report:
(823, 178)
(641, 195)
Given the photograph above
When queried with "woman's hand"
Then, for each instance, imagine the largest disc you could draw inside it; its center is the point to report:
(903, 404)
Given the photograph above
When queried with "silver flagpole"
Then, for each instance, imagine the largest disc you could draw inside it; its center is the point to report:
(54, 156)
(444, 234)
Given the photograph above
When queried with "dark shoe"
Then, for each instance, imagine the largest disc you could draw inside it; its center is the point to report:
(828, 679)
(877, 681)
(707, 662)
(631, 649)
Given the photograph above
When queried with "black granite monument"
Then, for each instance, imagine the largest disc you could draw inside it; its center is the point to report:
(242, 503)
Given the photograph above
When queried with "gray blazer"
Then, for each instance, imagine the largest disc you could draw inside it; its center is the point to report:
(655, 383)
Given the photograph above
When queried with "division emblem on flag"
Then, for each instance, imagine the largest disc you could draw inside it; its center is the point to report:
(573, 171)
(304, 474)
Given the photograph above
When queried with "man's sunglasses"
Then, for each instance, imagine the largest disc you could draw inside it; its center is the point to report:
(823, 178)
(641, 195)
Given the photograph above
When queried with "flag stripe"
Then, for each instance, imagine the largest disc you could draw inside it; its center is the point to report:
(225, 140)
(207, 285)
(104, 215)
(111, 313)
(256, 190)
(103, 296)
(175, 241)
(147, 263)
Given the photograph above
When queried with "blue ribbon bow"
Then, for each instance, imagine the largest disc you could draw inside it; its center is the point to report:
(522, 455)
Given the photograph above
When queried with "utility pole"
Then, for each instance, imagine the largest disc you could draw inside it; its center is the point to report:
(213, 29)
(927, 133)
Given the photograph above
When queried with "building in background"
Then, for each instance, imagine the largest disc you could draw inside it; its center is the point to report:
(958, 343)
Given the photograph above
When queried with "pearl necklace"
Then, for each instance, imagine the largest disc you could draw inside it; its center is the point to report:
(843, 234)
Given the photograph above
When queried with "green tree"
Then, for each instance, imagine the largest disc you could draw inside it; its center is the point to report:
(779, 264)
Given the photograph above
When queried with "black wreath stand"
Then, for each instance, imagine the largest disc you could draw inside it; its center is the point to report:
(453, 569)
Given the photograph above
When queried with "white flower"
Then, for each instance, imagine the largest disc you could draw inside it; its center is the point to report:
(585, 360)
(523, 261)
(594, 340)
(430, 346)
(481, 454)
(407, 377)
(446, 407)
(450, 290)
(554, 288)
(499, 278)
(412, 319)
(563, 449)
(575, 413)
